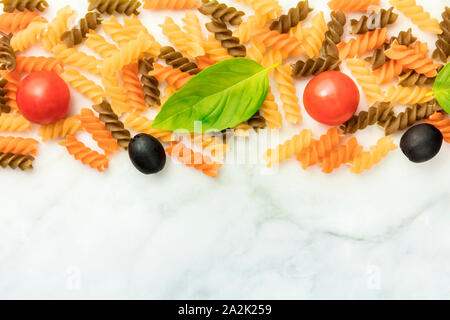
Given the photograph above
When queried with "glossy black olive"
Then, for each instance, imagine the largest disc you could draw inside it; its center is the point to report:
(147, 153)
(421, 143)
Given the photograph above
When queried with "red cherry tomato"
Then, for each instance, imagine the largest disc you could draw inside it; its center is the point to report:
(331, 98)
(43, 97)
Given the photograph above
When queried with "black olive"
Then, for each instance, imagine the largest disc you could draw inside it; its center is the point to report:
(421, 143)
(147, 153)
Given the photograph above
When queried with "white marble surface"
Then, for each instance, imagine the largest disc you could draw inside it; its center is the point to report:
(69, 232)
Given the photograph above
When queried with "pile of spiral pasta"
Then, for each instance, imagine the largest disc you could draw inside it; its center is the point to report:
(134, 67)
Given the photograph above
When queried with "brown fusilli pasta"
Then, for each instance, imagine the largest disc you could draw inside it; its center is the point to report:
(75, 36)
(113, 124)
(226, 38)
(287, 21)
(221, 11)
(378, 112)
(314, 66)
(177, 60)
(333, 34)
(376, 20)
(149, 83)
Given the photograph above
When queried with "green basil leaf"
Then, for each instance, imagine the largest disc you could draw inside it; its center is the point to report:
(221, 97)
(441, 88)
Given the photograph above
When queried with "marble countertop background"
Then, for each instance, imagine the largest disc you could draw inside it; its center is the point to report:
(67, 231)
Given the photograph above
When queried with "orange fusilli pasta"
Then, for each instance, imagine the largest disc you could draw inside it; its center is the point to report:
(98, 131)
(170, 4)
(18, 145)
(363, 43)
(441, 123)
(172, 76)
(194, 159)
(12, 22)
(31, 64)
(87, 156)
(320, 148)
(280, 41)
(343, 154)
(133, 87)
(410, 59)
(388, 71)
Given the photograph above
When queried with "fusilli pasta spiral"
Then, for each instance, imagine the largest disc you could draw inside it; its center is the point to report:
(388, 71)
(12, 22)
(376, 20)
(378, 112)
(100, 46)
(221, 11)
(15, 161)
(87, 156)
(410, 58)
(60, 129)
(343, 154)
(116, 94)
(32, 64)
(57, 27)
(14, 123)
(170, 4)
(365, 79)
(314, 36)
(282, 42)
(180, 40)
(407, 118)
(129, 53)
(226, 38)
(143, 124)
(417, 15)
(289, 148)
(288, 94)
(98, 131)
(269, 108)
(29, 36)
(368, 159)
(7, 55)
(77, 59)
(363, 43)
(113, 124)
(408, 95)
(172, 76)
(18, 145)
(127, 7)
(133, 87)
(443, 43)
(177, 60)
(352, 5)
(83, 85)
(149, 83)
(76, 35)
(441, 123)
(314, 67)
(192, 28)
(21, 5)
(287, 21)
(194, 159)
(320, 148)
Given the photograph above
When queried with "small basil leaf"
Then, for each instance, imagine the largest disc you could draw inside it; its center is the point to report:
(221, 97)
(441, 88)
